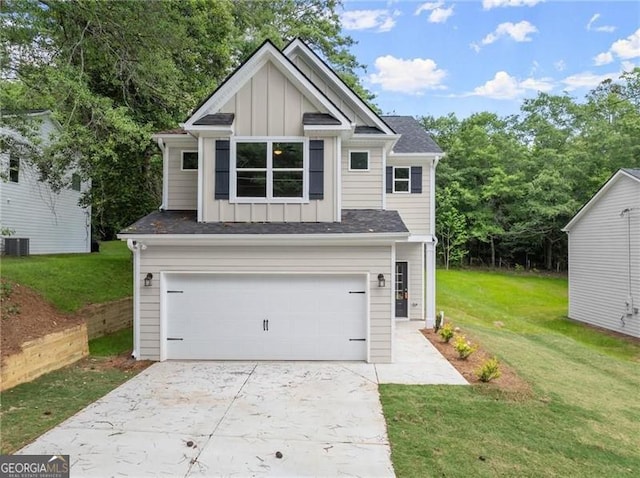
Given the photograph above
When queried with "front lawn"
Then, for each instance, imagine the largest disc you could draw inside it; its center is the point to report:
(70, 281)
(30, 409)
(582, 420)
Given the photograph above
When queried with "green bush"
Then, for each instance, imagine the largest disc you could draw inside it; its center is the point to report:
(489, 370)
(446, 332)
(463, 347)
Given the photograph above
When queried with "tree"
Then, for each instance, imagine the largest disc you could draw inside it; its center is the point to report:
(451, 227)
(115, 72)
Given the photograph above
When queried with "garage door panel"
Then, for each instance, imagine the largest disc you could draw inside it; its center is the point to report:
(269, 317)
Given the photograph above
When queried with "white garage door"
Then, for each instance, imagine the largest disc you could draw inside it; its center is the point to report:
(265, 317)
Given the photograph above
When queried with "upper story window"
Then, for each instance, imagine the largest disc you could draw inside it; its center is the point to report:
(270, 170)
(401, 179)
(189, 161)
(14, 169)
(358, 160)
(76, 182)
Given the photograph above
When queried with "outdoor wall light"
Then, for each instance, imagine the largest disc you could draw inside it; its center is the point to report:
(147, 280)
(381, 280)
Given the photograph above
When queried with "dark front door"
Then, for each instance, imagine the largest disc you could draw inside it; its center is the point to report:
(402, 290)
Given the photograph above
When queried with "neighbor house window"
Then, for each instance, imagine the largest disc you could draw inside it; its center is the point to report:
(359, 160)
(14, 169)
(76, 182)
(401, 179)
(189, 160)
(270, 170)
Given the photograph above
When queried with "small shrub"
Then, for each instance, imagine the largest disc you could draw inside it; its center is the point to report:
(489, 370)
(439, 319)
(519, 268)
(5, 290)
(446, 332)
(463, 347)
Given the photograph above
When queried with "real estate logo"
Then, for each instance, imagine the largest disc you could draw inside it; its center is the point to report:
(34, 466)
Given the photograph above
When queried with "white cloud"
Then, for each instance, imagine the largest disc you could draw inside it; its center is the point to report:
(585, 80)
(625, 49)
(628, 66)
(489, 4)
(603, 58)
(378, 20)
(517, 31)
(560, 65)
(503, 86)
(412, 76)
(602, 28)
(438, 13)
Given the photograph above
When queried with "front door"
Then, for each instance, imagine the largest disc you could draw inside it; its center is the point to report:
(402, 290)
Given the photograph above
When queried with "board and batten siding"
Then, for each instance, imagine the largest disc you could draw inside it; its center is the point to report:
(329, 91)
(294, 259)
(182, 186)
(362, 189)
(414, 208)
(598, 260)
(268, 105)
(412, 253)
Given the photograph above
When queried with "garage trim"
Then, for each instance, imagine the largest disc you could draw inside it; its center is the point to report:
(163, 297)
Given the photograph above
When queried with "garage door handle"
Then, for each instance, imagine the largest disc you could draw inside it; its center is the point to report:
(357, 292)
(265, 325)
(175, 291)
(174, 338)
(357, 340)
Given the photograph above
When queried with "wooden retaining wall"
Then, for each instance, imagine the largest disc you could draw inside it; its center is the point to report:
(103, 319)
(43, 355)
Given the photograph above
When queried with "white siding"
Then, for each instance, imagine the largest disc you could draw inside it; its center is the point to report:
(413, 208)
(362, 189)
(182, 185)
(360, 259)
(53, 222)
(412, 253)
(598, 264)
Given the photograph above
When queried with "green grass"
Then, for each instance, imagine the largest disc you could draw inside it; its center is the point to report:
(583, 418)
(70, 281)
(112, 344)
(30, 409)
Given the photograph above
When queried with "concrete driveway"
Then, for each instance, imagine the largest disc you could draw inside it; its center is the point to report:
(193, 419)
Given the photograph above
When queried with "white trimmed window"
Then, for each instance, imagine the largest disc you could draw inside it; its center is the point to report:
(76, 182)
(273, 170)
(14, 169)
(401, 179)
(358, 160)
(189, 161)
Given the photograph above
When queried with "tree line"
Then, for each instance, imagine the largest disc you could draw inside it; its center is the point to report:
(115, 72)
(508, 185)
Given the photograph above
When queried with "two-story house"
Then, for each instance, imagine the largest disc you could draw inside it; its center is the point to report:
(35, 218)
(296, 224)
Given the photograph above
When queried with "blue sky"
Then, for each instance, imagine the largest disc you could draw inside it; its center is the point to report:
(440, 57)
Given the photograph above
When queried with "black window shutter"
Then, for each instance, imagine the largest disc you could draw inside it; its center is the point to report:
(222, 169)
(389, 179)
(416, 179)
(316, 169)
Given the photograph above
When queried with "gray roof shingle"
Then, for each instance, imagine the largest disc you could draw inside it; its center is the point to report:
(354, 221)
(218, 119)
(324, 119)
(632, 172)
(368, 130)
(414, 138)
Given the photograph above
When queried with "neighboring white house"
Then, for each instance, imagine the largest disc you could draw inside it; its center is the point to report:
(604, 256)
(53, 222)
(296, 223)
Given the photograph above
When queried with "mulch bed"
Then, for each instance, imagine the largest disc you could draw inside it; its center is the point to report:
(509, 381)
(25, 316)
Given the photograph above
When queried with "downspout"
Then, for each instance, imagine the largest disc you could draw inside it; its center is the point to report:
(135, 247)
(165, 173)
(430, 252)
